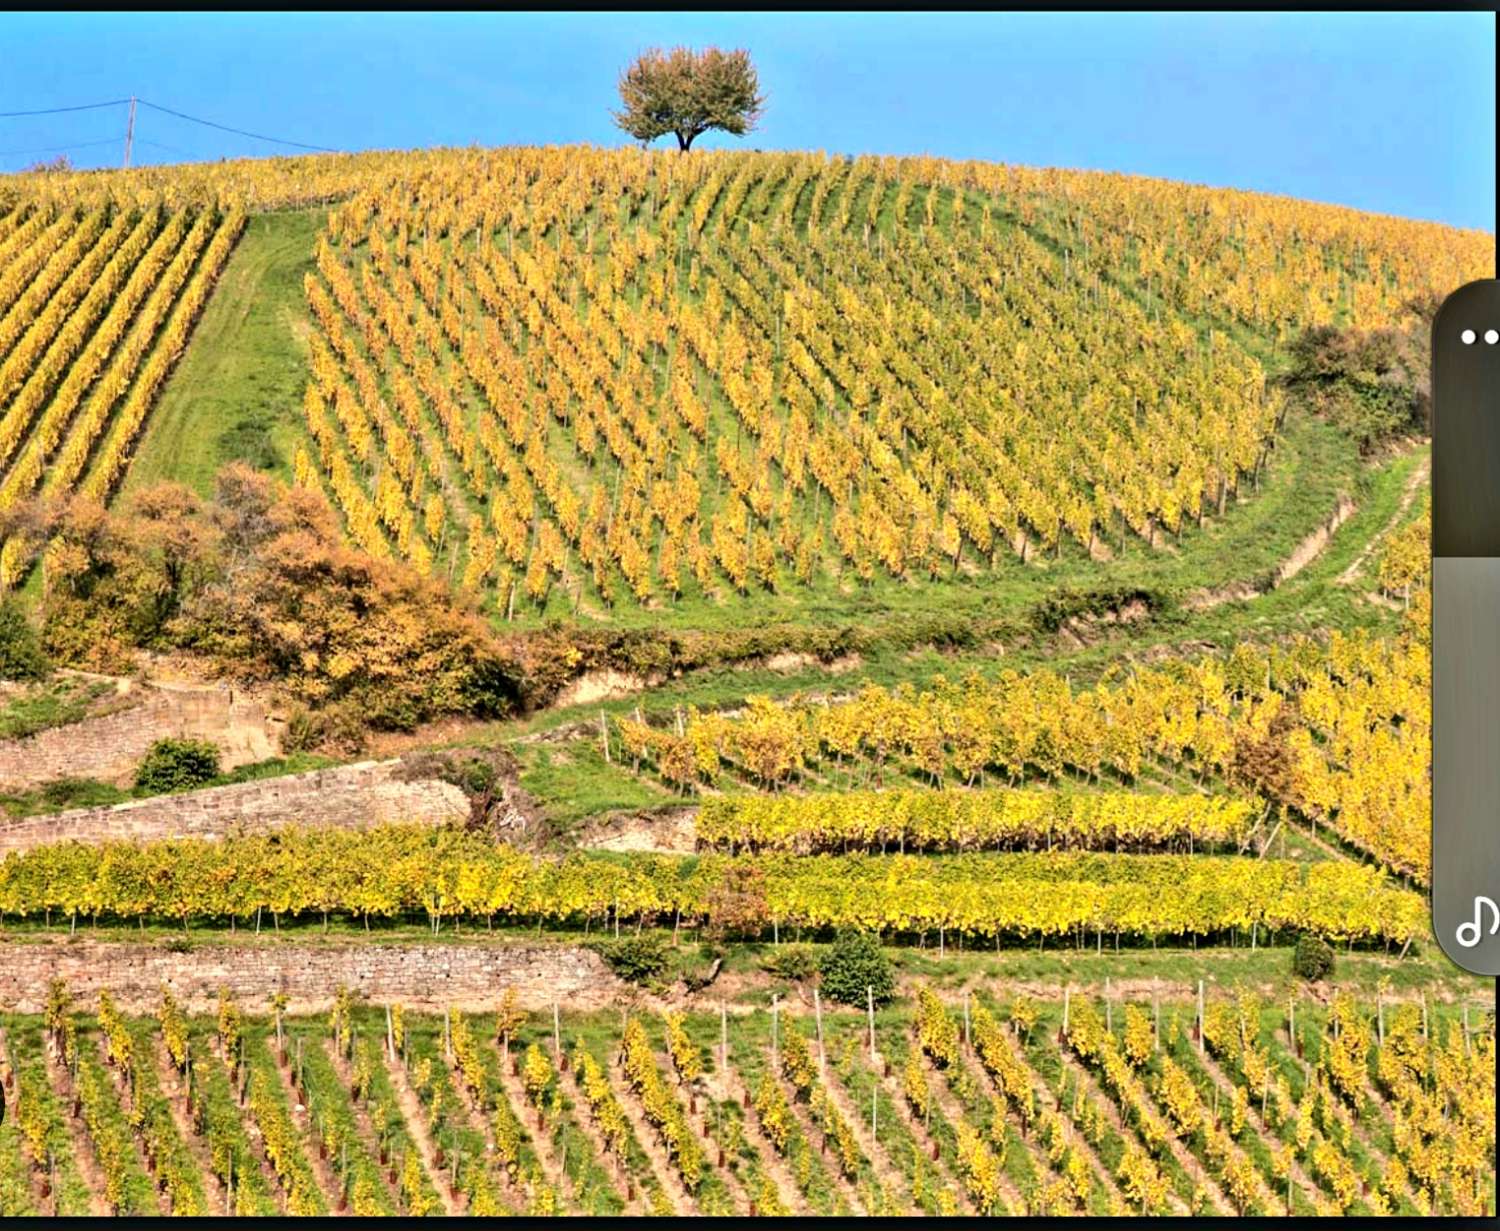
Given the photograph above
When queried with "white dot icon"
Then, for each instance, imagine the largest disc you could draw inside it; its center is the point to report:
(1468, 337)
(1491, 336)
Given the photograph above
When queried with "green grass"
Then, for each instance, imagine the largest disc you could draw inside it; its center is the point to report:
(59, 796)
(572, 782)
(66, 793)
(51, 703)
(237, 393)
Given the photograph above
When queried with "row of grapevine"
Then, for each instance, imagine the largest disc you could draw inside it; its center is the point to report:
(396, 870)
(1348, 720)
(96, 333)
(972, 820)
(1279, 1132)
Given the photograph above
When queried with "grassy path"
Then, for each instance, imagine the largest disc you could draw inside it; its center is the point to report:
(237, 393)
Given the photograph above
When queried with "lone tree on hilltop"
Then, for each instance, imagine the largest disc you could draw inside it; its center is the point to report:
(687, 93)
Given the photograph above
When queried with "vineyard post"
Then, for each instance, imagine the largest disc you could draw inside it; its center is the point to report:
(775, 1024)
(870, 1006)
(1109, 1007)
(1424, 1016)
(1156, 1015)
(390, 1035)
(818, 1013)
(1200, 1017)
(874, 1112)
(968, 1036)
(1291, 1024)
(604, 736)
(1067, 995)
(724, 1047)
(1380, 1018)
(556, 1037)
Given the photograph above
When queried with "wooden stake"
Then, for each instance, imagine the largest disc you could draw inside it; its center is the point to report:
(870, 1004)
(818, 1013)
(775, 1032)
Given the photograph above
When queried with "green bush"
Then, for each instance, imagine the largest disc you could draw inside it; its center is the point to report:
(1372, 384)
(796, 962)
(177, 765)
(1313, 958)
(636, 959)
(855, 966)
(21, 655)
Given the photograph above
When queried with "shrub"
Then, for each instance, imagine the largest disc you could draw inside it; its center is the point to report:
(854, 964)
(1313, 958)
(636, 959)
(797, 962)
(1372, 384)
(177, 765)
(21, 655)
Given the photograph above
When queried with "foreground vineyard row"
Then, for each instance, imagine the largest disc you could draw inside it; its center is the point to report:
(400, 871)
(100, 306)
(1340, 730)
(971, 1106)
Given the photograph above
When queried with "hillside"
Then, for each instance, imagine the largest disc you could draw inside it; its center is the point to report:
(579, 381)
(905, 685)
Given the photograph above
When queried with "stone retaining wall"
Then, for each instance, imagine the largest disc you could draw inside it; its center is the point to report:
(343, 797)
(111, 746)
(472, 975)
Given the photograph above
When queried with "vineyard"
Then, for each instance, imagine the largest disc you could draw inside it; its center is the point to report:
(97, 306)
(771, 553)
(1355, 714)
(611, 377)
(982, 1104)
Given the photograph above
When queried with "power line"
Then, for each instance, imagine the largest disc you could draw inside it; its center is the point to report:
(48, 149)
(119, 102)
(171, 149)
(322, 149)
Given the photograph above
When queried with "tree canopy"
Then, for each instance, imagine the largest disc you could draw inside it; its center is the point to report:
(687, 93)
(259, 580)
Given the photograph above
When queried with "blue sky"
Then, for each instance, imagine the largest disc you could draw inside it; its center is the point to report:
(1388, 112)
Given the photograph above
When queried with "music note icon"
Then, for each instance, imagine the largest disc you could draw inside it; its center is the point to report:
(1472, 929)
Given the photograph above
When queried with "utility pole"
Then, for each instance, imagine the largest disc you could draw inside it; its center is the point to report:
(129, 131)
